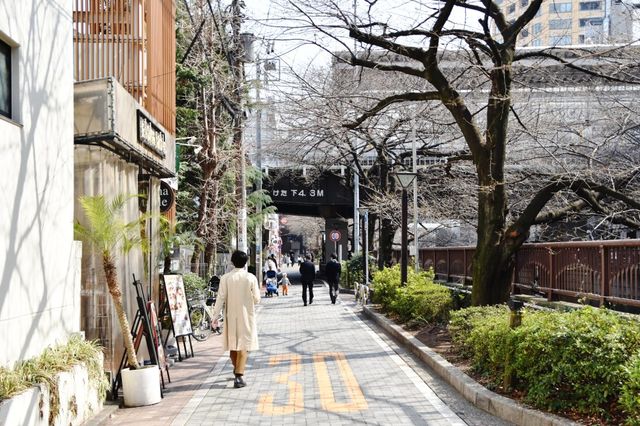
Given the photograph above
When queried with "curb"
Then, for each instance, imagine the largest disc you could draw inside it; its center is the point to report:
(108, 408)
(491, 402)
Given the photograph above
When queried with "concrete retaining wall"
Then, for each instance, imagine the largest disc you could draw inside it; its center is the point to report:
(78, 402)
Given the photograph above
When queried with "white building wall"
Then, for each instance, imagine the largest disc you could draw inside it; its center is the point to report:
(39, 279)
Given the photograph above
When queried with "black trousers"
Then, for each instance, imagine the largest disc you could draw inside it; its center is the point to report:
(306, 286)
(334, 289)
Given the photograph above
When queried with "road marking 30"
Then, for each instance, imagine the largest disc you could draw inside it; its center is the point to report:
(295, 402)
(327, 398)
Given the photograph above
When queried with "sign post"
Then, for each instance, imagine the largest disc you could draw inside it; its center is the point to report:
(335, 236)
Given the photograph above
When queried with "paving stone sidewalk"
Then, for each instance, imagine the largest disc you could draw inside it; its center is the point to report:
(317, 365)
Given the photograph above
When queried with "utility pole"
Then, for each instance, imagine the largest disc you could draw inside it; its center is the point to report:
(259, 165)
(415, 193)
(239, 56)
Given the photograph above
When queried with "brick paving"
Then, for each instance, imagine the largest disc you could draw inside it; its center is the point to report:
(317, 365)
(187, 377)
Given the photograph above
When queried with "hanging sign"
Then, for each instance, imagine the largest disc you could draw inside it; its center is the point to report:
(167, 196)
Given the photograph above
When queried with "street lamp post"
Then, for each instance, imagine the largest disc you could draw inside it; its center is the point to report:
(365, 242)
(405, 179)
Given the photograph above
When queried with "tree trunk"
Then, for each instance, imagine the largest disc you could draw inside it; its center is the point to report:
(116, 295)
(387, 231)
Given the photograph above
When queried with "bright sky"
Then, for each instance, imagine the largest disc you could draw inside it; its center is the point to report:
(265, 20)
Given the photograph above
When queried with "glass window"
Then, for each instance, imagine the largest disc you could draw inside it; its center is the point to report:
(591, 21)
(5, 79)
(537, 42)
(590, 5)
(525, 32)
(536, 28)
(560, 40)
(511, 8)
(524, 3)
(559, 7)
(581, 39)
(559, 24)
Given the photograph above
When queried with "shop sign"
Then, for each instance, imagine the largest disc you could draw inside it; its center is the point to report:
(167, 197)
(151, 135)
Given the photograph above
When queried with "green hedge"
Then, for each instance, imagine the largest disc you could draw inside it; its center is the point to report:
(352, 270)
(420, 301)
(584, 360)
(193, 284)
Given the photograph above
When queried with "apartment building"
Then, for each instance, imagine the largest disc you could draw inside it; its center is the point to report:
(577, 22)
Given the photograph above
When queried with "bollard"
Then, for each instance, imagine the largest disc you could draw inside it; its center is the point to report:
(515, 320)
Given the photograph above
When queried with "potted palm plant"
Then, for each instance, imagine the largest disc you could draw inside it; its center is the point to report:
(111, 236)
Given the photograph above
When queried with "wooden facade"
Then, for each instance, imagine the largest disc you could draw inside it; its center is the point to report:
(133, 41)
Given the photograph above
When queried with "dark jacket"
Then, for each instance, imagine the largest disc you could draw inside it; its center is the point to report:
(332, 270)
(307, 272)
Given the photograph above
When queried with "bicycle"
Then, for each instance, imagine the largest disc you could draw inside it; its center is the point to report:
(200, 308)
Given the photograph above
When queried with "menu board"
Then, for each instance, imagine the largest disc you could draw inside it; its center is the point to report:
(177, 300)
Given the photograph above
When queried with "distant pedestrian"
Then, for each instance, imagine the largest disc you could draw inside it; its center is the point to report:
(307, 275)
(332, 271)
(238, 294)
(285, 283)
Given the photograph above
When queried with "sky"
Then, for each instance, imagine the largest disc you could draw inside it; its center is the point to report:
(279, 37)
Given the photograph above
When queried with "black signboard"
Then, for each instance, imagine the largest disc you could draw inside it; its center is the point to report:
(167, 196)
(293, 193)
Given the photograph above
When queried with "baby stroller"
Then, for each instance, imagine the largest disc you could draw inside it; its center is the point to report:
(271, 284)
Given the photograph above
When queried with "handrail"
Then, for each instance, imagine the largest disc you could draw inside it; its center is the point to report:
(607, 272)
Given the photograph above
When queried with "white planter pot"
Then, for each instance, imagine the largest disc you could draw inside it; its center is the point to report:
(141, 387)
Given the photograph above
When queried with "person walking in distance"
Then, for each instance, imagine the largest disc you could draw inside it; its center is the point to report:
(307, 275)
(238, 294)
(332, 271)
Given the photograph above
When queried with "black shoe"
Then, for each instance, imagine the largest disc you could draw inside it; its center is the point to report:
(239, 382)
(311, 301)
(305, 304)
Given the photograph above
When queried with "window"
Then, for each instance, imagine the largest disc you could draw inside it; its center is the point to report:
(590, 5)
(559, 7)
(536, 28)
(511, 8)
(591, 21)
(5, 79)
(559, 24)
(581, 39)
(524, 3)
(537, 42)
(560, 40)
(525, 32)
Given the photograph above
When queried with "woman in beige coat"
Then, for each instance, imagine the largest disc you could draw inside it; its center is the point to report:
(238, 294)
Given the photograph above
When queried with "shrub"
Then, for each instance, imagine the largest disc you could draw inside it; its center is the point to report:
(464, 321)
(574, 359)
(483, 335)
(419, 301)
(630, 393)
(385, 286)
(44, 369)
(354, 270)
(193, 284)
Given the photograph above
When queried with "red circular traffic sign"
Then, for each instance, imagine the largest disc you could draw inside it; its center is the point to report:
(335, 235)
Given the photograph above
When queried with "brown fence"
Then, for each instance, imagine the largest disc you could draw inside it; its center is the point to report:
(601, 271)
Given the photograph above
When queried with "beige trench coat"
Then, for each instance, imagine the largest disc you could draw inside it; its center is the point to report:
(238, 294)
